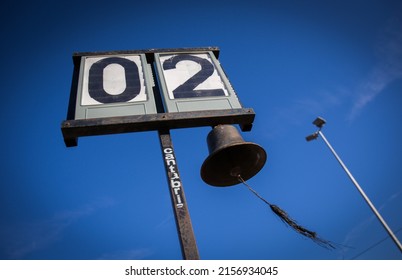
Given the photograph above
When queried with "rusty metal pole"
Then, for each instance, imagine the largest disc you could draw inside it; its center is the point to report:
(183, 222)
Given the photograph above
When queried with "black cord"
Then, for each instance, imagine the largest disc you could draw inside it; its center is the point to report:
(289, 221)
(374, 245)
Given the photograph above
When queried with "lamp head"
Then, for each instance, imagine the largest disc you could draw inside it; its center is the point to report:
(319, 122)
(312, 136)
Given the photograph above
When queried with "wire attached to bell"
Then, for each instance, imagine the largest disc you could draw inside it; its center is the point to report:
(284, 216)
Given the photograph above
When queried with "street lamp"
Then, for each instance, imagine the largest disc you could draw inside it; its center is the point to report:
(319, 122)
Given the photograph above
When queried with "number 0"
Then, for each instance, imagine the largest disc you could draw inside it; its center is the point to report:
(95, 81)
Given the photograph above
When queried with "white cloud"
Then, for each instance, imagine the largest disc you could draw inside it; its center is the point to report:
(165, 222)
(22, 239)
(387, 70)
(362, 228)
(367, 92)
(353, 98)
(134, 254)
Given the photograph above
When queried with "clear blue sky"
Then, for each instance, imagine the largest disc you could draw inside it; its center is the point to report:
(290, 61)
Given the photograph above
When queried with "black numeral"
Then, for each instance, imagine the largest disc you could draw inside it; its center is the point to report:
(187, 90)
(95, 81)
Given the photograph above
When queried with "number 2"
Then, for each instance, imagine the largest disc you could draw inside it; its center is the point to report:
(187, 89)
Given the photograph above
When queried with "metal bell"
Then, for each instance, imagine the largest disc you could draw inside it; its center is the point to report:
(230, 156)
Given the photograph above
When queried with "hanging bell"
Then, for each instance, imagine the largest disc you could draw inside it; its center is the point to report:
(230, 156)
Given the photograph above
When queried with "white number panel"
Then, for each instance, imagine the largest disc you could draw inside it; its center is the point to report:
(116, 79)
(191, 76)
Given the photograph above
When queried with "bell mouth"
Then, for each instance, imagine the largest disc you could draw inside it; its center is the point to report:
(223, 167)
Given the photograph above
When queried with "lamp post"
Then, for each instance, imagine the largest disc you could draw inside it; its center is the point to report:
(319, 122)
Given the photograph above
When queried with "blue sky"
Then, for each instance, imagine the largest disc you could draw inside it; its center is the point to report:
(290, 61)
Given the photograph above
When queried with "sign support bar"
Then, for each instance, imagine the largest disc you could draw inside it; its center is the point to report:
(72, 129)
(183, 222)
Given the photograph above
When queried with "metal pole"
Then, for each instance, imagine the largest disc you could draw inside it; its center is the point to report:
(387, 228)
(183, 222)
